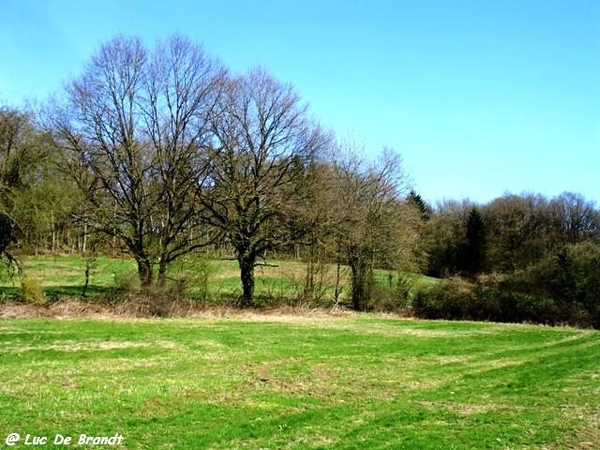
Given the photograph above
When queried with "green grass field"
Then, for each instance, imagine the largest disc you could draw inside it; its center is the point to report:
(291, 382)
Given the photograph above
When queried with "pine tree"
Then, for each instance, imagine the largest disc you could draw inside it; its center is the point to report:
(417, 201)
(474, 251)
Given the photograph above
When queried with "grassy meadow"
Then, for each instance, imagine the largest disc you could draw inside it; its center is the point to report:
(300, 382)
(207, 279)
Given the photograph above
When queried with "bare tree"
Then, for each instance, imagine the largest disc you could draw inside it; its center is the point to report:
(519, 228)
(374, 226)
(135, 129)
(576, 218)
(184, 88)
(263, 145)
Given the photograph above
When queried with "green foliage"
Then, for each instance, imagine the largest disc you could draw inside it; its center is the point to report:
(490, 298)
(571, 277)
(499, 301)
(444, 238)
(126, 283)
(516, 297)
(31, 291)
(190, 278)
(452, 299)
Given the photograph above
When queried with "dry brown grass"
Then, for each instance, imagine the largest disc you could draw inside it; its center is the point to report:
(136, 308)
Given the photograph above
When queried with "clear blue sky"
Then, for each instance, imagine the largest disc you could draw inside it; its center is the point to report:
(480, 97)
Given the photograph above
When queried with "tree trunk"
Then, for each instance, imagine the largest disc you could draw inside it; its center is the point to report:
(53, 233)
(309, 285)
(357, 287)
(362, 282)
(246, 263)
(162, 271)
(87, 279)
(85, 233)
(338, 274)
(144, 271)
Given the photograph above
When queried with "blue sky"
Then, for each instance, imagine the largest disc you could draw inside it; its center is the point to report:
(480, 97)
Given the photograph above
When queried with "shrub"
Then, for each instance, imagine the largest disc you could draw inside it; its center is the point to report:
(156, 301)
(189, 279)
(177, 293)
(570, 278)
(392, 293)
(498, 302)
(490, 298)
(151, 301)
(314, 285)
(451, 298)
(31, 291)
(125, 285)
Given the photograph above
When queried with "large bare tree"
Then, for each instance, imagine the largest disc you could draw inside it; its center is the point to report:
(184, 88)
(372, 226)
(258, 168)
(135, 127)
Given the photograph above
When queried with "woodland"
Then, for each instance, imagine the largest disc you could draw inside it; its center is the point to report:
(161, 153)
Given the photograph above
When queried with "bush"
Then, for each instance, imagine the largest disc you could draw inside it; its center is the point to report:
(498, 302)
(151, 301)
(451, 298)
(31, 291)
(488, 299)
(125, 285)
(181, 290)
(391, 293)
(156, 301)
(189, 279)
(570, 278)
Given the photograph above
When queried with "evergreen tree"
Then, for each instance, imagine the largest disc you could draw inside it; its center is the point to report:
(417, 201)
(472, 260)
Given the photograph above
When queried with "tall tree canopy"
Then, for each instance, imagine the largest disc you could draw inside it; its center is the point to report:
(263, 145)
(135, 126)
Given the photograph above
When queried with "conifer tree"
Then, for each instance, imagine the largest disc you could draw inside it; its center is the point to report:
(473, 254)
(417, 201)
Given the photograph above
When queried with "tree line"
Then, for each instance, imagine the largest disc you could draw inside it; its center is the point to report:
(543, 253)
(161, 152)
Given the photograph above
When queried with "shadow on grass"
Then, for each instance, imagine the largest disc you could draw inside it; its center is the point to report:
(92, 292)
